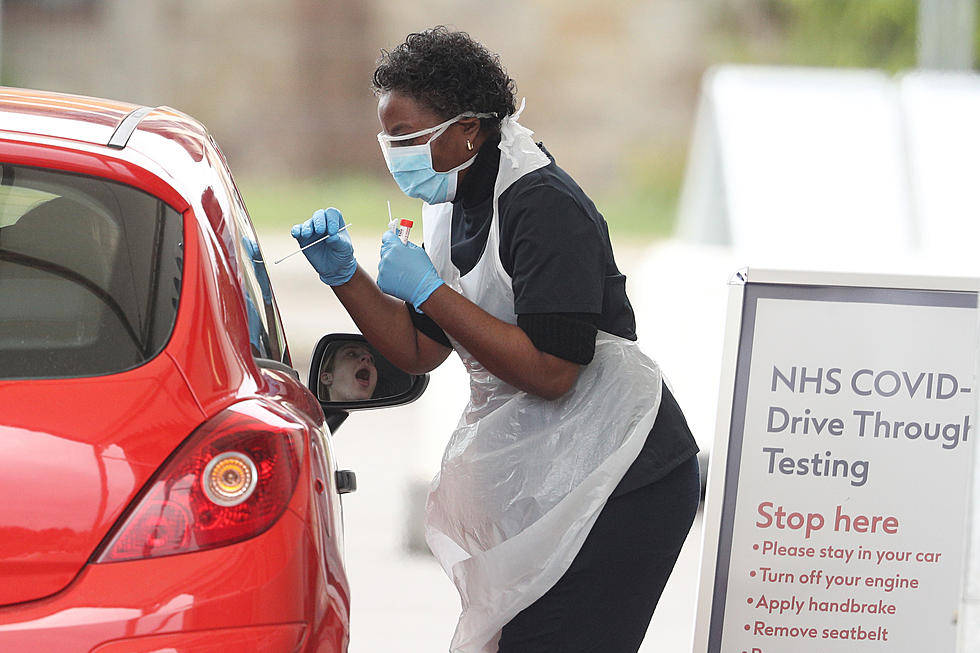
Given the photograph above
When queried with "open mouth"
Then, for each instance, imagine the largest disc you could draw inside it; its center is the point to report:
(363, 375)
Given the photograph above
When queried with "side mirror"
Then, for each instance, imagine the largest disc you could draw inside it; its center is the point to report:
(346, 373)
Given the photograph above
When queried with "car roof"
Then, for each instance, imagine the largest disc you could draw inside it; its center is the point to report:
(70, 117)
(170, 144)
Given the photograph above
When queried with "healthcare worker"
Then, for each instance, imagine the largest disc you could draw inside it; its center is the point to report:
(567, 489)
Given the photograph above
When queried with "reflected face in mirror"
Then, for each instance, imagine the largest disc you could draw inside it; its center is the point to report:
(348, 373)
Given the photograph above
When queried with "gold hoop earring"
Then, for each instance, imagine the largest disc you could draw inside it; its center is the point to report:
(469, 146)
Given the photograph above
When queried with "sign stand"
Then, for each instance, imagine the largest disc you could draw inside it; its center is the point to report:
(837, 514)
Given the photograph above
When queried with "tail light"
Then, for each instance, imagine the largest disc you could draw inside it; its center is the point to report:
(230, 481)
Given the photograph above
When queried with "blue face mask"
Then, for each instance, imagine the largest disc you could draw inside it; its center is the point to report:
(411, 165)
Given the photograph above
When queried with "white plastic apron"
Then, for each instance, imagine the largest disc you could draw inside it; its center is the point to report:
(523, 478)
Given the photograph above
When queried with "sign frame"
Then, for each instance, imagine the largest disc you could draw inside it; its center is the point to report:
(708, 625)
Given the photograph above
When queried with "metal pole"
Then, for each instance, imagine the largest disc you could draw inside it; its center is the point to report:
(945, 34)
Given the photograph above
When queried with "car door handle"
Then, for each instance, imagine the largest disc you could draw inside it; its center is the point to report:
(346, 481)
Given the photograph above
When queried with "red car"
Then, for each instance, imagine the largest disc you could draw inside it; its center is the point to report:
(167, 479)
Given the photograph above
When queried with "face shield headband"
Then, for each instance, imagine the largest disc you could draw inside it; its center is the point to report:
(411, 165)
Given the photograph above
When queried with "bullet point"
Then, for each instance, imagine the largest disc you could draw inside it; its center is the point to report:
(750, 601)
(748, 627)
(755, 547)
(752, 574)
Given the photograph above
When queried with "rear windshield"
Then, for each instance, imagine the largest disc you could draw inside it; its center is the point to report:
(90, 274)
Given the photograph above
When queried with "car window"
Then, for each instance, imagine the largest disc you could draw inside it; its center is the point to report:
(262, 323)
(90, 274)
(15, 201)
(264, 327)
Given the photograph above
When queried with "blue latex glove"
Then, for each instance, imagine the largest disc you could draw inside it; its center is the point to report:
(405, 271)
(333, 258)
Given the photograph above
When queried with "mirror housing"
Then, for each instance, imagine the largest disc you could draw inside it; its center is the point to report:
(393, 387)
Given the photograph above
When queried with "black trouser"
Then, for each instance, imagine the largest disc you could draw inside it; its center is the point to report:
(604, 602)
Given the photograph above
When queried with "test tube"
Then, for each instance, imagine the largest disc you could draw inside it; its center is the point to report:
(403, 229)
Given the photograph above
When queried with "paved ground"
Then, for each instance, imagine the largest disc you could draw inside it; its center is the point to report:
(401, 600)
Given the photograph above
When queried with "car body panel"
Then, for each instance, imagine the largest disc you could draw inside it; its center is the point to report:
(246, 584)
(102, 439)
(274, 638)
(82, 463)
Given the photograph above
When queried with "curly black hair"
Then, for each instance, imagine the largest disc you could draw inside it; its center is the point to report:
(449, 73)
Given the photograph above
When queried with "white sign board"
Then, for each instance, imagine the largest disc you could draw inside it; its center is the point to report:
(839, 484)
